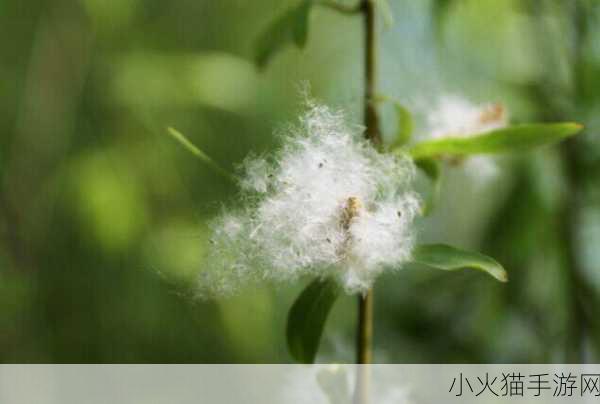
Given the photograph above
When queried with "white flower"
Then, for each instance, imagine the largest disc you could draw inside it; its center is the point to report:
(457, 117)
(327, 204)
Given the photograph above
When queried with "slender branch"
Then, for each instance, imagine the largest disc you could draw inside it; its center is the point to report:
(365, 328)
(192, 148)
(364, 337)
(364, 334)
(371, 118)
(365, 315)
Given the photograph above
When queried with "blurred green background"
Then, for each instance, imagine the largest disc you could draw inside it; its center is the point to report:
(103, 216)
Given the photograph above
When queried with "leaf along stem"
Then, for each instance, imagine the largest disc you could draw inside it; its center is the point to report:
(192, 148)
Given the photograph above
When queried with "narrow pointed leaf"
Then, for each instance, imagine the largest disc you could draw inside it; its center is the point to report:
(271, 41)
(431, 168)
(290, 26)
(405, 122)
(448, 258)
(192, 148)
(300, 23)
(307, 317)
(511, 139)
(405, 126)
(386, 11)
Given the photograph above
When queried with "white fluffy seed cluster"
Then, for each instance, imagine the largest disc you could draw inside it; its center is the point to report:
(455, 116)
(327, 204)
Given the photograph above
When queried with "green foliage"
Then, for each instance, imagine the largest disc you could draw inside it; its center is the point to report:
(108, 201)
(205, 158)
(291, 26)
(300, 23)
(431, 168)
(439, 12)
(386, 11)
(445, 257)
(405, 125)
(306, 318)
(511, 139)
(101, 248)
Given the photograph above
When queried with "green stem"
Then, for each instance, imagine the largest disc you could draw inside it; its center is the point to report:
(364, 334)
(365, 307)
(192, 148)
(372, 130)
(365, 328)
(371, 120)
(364, 352)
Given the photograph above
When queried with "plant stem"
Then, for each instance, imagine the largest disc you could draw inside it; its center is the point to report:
(365, 306)
(365, 328)
(371, 118)
(364, 337)
(192, 148)
(364, 334)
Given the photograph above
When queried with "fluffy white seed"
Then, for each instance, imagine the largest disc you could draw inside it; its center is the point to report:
(457, 117)
(454, 116)
(327, 204)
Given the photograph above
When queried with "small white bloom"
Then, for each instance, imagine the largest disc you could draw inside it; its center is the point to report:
(327, 204)
(457, 117)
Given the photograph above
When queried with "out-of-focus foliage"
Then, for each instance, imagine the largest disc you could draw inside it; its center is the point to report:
(518, 138)
(104, 218)
(307, 317)
(448, 258)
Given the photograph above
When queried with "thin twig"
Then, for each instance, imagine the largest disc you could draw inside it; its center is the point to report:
(371, 120)
(192, 148)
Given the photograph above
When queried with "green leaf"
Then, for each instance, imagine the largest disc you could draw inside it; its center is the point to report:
(300, 24)
(386, 12)
(511, 139)
(445, 257)
(290, 26)
(431, 168)
(439, 13)
(192, 148)
(405, 126)
(405, 121)
(271, 41)
(307, 316)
